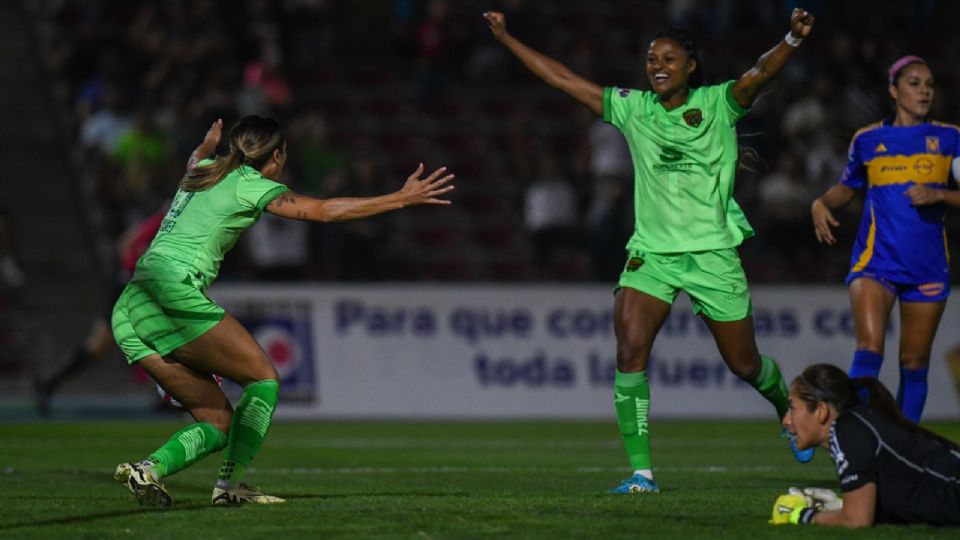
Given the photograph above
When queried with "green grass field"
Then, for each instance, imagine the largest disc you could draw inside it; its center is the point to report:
(421, 480)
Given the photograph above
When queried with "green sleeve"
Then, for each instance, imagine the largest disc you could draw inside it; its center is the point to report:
(607, 113)
(735, 110)
(620, 104)
(256, 192)
(269, 196)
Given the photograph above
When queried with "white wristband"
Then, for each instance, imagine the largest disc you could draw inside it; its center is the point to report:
(792, 41)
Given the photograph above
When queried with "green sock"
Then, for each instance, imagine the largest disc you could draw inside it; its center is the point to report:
(631, 399)
(771, 385)
(248, 428)
(186, 447)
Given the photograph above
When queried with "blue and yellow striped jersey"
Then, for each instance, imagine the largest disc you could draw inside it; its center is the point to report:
(903, 243)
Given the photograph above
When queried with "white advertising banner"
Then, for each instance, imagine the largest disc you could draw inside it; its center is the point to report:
(534, 351)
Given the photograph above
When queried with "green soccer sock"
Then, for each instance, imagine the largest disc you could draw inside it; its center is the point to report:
(186, 447)
(248, 428)
(771, 385)
(631, 397)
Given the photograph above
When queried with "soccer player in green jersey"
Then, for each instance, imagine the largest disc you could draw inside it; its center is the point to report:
(683, 141)
(164, 322)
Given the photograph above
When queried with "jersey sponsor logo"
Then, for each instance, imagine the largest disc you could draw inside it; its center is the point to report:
(849, 478)
(880, 148)
(887, 170)
(693, 117)
(670, 155)
(931, 289)
(923, 166)
(634, 264)
(933, 144)
(624, 92)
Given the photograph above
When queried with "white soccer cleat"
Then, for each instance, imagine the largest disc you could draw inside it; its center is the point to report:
(144, 484)
(242, 494)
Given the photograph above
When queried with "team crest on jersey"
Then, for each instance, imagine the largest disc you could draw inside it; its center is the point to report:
(634, 264)
(693, 117)
(933, 144)
(624, 92)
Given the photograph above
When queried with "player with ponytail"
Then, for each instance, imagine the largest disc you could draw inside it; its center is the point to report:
(904, 165)
(165, 323)
(891, 470)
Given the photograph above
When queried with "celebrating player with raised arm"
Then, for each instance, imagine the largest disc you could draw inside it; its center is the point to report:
(683, 141)
(164, 322)
(904, 165)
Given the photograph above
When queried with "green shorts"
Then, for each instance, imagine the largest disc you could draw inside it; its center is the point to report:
(158, 317)
(714, 280)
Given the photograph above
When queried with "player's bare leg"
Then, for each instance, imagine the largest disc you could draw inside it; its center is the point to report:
(738, 347)
(637, 319)
(229, 350)
(202, 396)
(918, 326)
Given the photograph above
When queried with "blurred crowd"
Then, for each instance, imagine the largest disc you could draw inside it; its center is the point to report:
(368, 89)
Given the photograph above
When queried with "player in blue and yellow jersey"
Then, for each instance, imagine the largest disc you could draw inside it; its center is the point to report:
(904, 165)
(165, 323)
(683, 141)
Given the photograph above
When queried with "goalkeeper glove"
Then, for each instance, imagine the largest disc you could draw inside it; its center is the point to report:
(823, 499)
(819, 498)
(792, 508)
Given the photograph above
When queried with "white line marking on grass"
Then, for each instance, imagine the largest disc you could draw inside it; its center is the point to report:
(717, 469)
(514, 444)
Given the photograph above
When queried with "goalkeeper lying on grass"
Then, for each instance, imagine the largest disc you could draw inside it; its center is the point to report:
(891, 470)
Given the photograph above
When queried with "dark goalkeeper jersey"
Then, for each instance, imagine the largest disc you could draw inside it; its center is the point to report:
(917, 479)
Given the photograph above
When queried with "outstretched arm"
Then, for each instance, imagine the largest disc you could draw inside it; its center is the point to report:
(208, 146)
(746, 89)
(552, 72)
(414, 191)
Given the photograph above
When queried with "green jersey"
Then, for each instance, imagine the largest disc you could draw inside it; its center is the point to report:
(202, 226)
(684, 163)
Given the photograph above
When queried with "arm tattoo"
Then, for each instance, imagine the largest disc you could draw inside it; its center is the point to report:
(283, 198)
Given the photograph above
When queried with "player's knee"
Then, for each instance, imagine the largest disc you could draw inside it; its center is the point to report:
(632, 355)
(266, 372)
(260, 371)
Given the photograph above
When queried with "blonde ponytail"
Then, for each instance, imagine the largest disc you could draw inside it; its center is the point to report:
(253, 140)
(206, 176)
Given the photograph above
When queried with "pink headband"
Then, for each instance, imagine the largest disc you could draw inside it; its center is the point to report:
(899, 64)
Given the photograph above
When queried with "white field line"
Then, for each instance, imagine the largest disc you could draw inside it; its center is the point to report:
(659, 444)
(716, 469)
